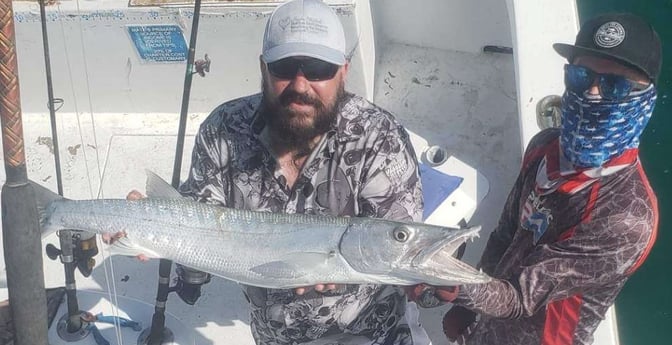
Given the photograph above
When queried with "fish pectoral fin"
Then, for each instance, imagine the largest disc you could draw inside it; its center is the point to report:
(295, 265)
(279, 269)
(126, 247)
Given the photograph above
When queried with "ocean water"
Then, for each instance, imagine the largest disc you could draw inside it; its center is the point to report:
(644, 307)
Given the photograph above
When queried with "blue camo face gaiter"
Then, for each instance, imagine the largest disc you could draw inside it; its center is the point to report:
(594, 130)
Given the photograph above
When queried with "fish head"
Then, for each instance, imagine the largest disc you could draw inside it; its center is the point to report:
(409, 253)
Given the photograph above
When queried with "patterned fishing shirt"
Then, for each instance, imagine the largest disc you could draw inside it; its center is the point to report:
(364, 166)
(564, 247)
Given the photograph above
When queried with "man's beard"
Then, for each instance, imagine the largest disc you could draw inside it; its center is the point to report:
(296, 130)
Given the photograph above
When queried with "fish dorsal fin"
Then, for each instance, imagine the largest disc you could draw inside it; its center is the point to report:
(159, 188)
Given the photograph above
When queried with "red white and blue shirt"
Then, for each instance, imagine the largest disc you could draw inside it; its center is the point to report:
(565, 245)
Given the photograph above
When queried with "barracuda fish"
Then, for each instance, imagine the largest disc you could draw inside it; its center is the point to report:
(266, 249)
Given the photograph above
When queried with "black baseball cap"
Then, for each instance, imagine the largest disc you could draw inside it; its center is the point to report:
(621, 37)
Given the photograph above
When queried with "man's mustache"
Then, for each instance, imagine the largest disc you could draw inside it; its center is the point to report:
(291, 96)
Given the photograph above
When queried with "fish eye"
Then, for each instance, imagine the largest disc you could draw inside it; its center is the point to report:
(401, 234)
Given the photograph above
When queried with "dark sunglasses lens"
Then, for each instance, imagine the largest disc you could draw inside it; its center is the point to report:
(285, 68)
(313, 69)
(578, 78)
(613, 87)
(316, 70)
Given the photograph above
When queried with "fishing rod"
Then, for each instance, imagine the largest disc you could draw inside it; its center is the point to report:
(20, 228)
(158, 333)
(50, 95)
(75, 252)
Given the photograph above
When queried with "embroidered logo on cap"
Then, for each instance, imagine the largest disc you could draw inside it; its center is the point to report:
(610, 35)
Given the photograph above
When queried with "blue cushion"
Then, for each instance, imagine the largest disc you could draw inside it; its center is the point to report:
(436, 187)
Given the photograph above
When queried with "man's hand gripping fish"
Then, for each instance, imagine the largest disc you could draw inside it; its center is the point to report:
(266, 249)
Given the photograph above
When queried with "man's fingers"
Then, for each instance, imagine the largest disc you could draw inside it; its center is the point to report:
(414, 292)
(142, 257)
(110, 238)
(318, 288)
(327, 287)
(134, 195)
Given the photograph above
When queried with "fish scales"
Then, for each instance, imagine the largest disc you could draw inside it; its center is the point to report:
(273, 250)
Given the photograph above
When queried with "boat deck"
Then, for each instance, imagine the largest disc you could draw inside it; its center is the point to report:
(119, 118)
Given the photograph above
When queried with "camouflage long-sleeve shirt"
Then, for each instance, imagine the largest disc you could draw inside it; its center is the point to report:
(364, 166)
(565, 245)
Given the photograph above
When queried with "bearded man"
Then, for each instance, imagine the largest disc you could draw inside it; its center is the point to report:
(305, 145)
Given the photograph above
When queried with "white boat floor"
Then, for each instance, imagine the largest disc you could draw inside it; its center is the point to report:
(98, 302)
(466, 104)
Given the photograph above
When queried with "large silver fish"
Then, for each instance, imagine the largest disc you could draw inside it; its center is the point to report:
(267, 249)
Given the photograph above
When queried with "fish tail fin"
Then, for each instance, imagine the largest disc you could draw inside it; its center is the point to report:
(44, 197)
(159, 188)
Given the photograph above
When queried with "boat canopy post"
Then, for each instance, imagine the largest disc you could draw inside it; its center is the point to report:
(20, 227)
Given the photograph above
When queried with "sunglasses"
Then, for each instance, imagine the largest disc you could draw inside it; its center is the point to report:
(313, 69)
(611, 86)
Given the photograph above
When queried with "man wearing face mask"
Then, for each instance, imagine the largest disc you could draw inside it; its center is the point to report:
(581, 217)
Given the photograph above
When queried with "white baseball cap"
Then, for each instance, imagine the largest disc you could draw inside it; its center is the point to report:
(304, 28)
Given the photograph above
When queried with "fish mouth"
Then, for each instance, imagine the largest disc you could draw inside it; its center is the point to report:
(448, 245)
(439, 258)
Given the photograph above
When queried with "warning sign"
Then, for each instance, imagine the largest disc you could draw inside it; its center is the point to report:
(159, 43)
